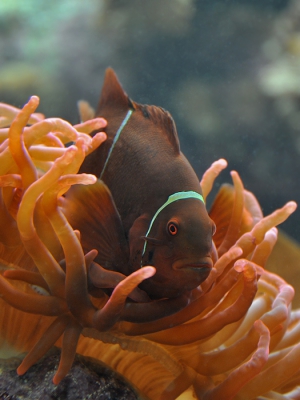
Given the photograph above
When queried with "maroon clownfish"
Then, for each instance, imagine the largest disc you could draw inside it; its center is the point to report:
(147, 206)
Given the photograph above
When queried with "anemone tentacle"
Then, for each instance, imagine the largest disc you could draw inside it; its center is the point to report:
(235, 336)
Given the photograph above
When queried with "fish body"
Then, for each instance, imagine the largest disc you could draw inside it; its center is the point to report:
(141, 170)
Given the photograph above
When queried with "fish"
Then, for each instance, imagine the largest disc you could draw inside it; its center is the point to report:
(147, 206)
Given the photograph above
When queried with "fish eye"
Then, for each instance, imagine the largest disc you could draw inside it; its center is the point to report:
(172, 228)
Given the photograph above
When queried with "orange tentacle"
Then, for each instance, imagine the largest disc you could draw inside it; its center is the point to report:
(249, 240)
(245, 373)
(68, 351)
(77, 296)
(34, 278)
(210, 175)
(206, 326)
(52, 334)
(206, 302)
(42, 257)
(233, 231)
(32, 303)
(105, 318)
(263, 250)
(17, 146)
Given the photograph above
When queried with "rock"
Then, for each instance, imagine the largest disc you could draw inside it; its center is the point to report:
(88, 379)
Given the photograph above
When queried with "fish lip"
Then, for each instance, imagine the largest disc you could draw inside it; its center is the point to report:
(198, 266)
(204, 265)
(201, 269)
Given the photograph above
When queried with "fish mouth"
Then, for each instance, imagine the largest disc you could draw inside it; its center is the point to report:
(193, 273)
(199, 272)
(204, 265)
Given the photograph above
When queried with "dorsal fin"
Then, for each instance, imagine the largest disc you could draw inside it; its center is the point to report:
(113, 94)
(114, 97)
(163, 120)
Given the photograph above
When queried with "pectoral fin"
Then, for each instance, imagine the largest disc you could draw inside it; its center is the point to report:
(91, 210)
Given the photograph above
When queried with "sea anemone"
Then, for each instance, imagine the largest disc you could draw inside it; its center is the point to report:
(238, 338)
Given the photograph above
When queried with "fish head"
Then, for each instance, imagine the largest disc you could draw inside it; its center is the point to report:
(179, 245)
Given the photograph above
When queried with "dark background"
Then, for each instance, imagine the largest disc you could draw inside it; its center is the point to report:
(228, 71)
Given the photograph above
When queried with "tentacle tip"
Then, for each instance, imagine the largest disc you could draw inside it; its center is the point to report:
(238, 268)
(238, 251)
(291, 206)
(92, 254)
(21, 370)
(239, 265)
(103, 120)
(248, 270)
(34, 100)
(222, 162)
(100, 123)
(258, 324)
(89, 179)
(100, 137)
(234, 173)
(57, 378)
(148, 271)
(272, 232)
(249, 273)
